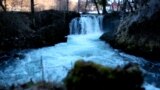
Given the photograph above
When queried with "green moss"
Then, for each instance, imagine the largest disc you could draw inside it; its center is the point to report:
(91, 76)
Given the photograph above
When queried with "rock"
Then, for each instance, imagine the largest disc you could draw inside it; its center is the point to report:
(110, 25)
(91, 76)
(138, 33)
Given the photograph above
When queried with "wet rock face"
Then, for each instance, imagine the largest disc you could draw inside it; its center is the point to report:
(91, 76)
(139, 33)
(110, 23)
(18, 32)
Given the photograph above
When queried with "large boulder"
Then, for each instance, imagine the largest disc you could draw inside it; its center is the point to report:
(91, 76)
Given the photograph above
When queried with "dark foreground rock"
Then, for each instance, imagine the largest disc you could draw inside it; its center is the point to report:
(21, 30)
(139, 33)
(91, 76)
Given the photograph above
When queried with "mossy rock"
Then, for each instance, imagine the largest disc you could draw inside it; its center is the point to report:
(91, 76)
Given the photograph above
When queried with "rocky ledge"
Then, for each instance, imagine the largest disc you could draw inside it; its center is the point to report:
(139, 32)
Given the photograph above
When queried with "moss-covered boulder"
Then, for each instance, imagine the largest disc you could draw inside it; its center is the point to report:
(91, 76)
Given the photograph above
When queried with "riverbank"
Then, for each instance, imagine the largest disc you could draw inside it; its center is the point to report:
(138, 33)
(22, 30)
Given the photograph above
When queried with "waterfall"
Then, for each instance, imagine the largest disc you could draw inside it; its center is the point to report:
(86, 24)
(82, 44)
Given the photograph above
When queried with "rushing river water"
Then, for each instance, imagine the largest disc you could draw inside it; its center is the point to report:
(53, 63)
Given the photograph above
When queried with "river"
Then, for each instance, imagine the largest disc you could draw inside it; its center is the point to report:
(52, 63)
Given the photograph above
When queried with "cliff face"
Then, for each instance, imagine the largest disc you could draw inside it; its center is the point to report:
(139, 33)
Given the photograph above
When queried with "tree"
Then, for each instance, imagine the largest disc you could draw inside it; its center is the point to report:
(3, 6)
(86, 5)
(67, 5)
(96, 4)
(21, 3)
(32, 12)
(127, 5)
(32, 6)
(104, 2)
(78, 8)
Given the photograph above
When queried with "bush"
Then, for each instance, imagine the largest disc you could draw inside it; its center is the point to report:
(91, 76)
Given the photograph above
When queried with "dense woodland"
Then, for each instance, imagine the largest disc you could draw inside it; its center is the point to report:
(79, 5)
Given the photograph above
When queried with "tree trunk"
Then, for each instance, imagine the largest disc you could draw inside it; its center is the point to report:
(21, 2)
(32, 13)
(130, 6)
(124, 6)
(86, 5)
(32, 6)
(67, 5)
(78, 8)
(3, 6)
(95, 2)
(104, 6)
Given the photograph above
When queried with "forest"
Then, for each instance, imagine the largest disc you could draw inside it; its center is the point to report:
(79, 44)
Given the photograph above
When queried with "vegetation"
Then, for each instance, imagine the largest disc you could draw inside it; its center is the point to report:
(18, 32)
(18, 29)
(91, 76)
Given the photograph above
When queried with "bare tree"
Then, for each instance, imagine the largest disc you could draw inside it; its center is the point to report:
(32, 12)
(78, 8)
(32, 6)
(96, 4)
(104, 2)
(67, 5)
(87, 1)
(21, 3)
(3, 6)
(127, 6)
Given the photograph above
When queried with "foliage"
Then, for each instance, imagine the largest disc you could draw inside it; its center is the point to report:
(91, 76)
(18, 32)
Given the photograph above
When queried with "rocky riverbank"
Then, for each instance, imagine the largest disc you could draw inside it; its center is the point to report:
(139, 32)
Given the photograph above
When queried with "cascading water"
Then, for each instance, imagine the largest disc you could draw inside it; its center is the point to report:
(86, 25)
(82, 43)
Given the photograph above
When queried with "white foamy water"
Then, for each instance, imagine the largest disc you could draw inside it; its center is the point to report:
(86, 25)
(57, 60)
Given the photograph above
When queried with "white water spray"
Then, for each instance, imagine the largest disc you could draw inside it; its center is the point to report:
(86, 24)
